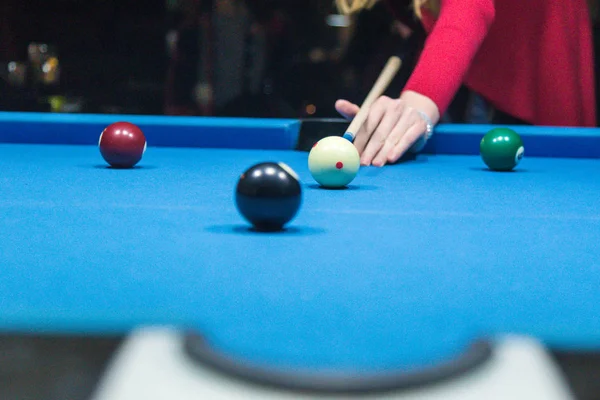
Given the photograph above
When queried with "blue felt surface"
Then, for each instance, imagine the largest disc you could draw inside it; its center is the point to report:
(403, 269)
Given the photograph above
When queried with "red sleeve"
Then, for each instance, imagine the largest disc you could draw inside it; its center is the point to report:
(451, 45)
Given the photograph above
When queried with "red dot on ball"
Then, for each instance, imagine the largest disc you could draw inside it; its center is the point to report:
(122, 144)
(339, 165)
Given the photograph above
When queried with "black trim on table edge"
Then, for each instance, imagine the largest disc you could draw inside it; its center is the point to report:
(200, 351)
(314, 129)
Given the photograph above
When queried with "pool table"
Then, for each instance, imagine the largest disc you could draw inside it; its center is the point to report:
(415, 274)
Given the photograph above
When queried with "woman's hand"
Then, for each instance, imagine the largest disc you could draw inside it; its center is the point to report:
(392, 126)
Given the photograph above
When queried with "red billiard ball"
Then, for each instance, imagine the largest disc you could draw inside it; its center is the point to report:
(122, 144)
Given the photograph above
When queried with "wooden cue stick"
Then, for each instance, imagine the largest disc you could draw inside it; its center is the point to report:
(385, 77)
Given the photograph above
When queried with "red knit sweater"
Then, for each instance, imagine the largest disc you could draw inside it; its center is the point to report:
(532, 59)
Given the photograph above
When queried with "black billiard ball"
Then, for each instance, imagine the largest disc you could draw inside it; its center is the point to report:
(268, 195)
(122, 144)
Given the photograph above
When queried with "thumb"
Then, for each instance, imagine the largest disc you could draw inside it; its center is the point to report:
(346, 109)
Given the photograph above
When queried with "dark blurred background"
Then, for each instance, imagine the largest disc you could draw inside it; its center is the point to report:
(261, 58)
(256, 58)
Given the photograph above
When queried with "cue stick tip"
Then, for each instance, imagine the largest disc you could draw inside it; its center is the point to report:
(348, 136)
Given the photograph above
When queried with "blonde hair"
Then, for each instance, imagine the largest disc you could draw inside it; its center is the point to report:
(353, 6)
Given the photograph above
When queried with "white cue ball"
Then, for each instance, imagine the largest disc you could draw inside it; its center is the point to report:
(333, 162)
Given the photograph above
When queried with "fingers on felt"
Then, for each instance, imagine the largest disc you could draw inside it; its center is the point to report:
(381, 119)
(397, 132)
(413, 133)
(391, 119)
(347, 109)
(376, 111)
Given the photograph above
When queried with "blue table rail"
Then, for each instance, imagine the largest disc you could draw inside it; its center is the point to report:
(275, 134)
